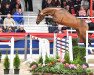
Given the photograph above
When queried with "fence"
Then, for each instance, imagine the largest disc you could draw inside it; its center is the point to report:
(89, 56)
(61, 45)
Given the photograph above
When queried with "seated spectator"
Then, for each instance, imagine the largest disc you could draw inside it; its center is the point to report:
(12, 5)
(18, 2)
(10, 29)
(1, 30)
(15, 9)
(63, 4)
(85, 4)
(82, 12)
(77, 4)
(73, 11)
(56, 3)
(70, 3)
(18, 16)
(90, 21)
(4, 4)
(21, 29)
(7, 9)
(44, 3)
(8, 21)
(67, 7)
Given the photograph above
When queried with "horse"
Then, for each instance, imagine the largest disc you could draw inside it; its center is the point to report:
(63, 17)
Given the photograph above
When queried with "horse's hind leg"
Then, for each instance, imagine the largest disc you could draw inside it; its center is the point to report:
(83, 36)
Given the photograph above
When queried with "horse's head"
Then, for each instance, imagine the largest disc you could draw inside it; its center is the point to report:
(40, 17)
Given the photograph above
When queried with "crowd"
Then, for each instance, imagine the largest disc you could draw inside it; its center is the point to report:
(75, 7)
(13, 11)
(78, 8)
(12, 16)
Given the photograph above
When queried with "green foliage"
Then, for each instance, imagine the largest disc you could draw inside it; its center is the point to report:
(50, 60)
(75, 41)
(77, 61)
(79, 53)
(57, 56)
(34, 63)
(38, 69)
(6, 62)
(60, 68)
(16, 62)
(66, 57)
(40, 61)
(46, 59)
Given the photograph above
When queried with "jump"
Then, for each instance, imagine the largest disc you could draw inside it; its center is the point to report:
(63, 17)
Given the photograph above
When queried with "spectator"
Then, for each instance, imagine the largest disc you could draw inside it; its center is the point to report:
(44, 3)
(12, 5)
(18, 16)
(63, 4)
(1, 30)
(82, 12)
(67, 7)
(15, 9)
(3, 4)
(21, 29)
(85, 4)
(73, 11)
(10, 29)
(7, 9)
(88, 12)
(19, 3)
(56, 3)
(29, 6)
(90, 21)
(77, 4)
(49, 3)
(70, 3)
(15, 3)
(8, 21)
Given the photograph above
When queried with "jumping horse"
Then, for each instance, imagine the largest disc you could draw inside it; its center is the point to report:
(63, 17)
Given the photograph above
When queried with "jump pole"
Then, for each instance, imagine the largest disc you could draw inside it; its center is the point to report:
(43, 44)
(12, 53)
(70, 48)
(31, 46)
(54, 45)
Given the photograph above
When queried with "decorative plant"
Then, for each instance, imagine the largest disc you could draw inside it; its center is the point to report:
(34, 63)
(16, 62)
(63, 69)
(46, 59)
(6, 65)
(6, 62)
(66, 57)
(40, 61)
(75, 41)
(57, 56)
(79, 51)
